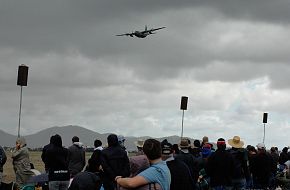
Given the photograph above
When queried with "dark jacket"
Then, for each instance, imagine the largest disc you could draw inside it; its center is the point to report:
(43, 155)
(283, 157)
(191, 163)
(76, 158)
(115, 162)
(180, 175)
(94, 162)
(3, 158)
(56, 158)
(262, 168)
(241, 169)
(219, 168)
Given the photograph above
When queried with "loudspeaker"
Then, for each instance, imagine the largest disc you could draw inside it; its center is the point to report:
(183, 105)
(265, 117)
(22, 75)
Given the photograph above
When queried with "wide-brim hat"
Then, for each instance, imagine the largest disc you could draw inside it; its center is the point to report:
(139, 143)
(236, 142)
(184, 144)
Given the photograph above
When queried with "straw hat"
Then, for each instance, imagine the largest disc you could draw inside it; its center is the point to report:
(236, 142)
(139, 143)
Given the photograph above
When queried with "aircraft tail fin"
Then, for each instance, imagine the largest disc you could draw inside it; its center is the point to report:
(145, 27)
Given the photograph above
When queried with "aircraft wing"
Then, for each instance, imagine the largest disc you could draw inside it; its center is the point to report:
(126, 34)
(154, 29)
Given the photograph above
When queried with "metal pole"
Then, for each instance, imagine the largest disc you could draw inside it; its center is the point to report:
(264, 133)
(182, 124)
(19, 112)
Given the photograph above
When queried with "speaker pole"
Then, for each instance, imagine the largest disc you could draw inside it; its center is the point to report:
(19, 117)
(21, 81)
(265, 119)
(182, 125)
(264, 134)
(183, 106)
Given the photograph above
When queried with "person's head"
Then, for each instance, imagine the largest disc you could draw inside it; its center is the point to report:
(139, 144)
(221, 144)
(121, 140)
(204, 139)
(167, 150)
(20, 142)
(51, 139)
(75, 139)
(97, 143)
(196, 144)
(112, 140)
(184, 144)
(57, 141)
(285, 149)
(152, 149)
(261, 147)
(273, 150)
(251, 149)
(236, 142)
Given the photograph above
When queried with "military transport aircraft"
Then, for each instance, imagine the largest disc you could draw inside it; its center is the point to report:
(141, 34)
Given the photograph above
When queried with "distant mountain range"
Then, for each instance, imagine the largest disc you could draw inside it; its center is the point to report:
(87, 137)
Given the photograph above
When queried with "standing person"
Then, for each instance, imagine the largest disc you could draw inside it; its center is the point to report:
(275, 155)
(57, 162)
(43, 156)
(186, 157)
(220, 167)
(139, 144)
(180, 174)
(115, 162)
(21, 162)
(94, 162)
(204, 140)
(262, 168)
(241, 170)
(76, 157)
(158, 171)
(283, 157)
(3, 159)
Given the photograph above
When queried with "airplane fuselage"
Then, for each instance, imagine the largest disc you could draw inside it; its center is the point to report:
(140, 34)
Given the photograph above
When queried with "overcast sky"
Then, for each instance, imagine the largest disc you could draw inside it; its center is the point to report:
(231, 58)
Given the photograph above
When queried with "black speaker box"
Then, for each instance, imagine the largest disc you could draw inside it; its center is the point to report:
(265, 117)
(183, 105)
(22, 75)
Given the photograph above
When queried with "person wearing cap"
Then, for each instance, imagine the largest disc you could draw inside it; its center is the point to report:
(180, 174)
(262, 168)
(158, 172)
(220, 167)
(241, 170)
(186, 157)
